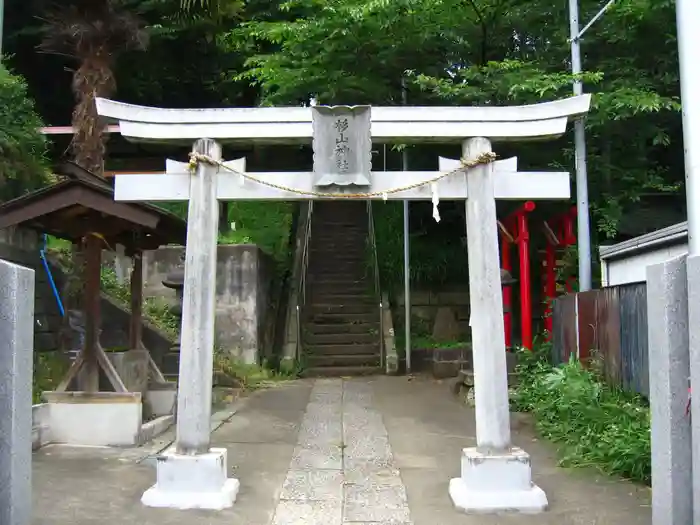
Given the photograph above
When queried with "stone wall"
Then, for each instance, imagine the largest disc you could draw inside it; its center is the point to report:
(243, 275)
(21, 246)
(452, 303)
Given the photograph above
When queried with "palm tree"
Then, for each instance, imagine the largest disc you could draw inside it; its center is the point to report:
(93, 33)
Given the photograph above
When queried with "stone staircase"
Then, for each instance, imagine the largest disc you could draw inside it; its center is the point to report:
(341, 317)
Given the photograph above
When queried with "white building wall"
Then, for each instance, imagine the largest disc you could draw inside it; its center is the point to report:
(632, 268)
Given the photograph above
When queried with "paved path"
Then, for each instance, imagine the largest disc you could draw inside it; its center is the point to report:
(376, 451)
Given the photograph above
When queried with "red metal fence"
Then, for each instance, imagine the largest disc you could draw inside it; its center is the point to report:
(610, 324)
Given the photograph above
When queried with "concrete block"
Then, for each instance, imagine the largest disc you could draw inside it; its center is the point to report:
(192, 482)
(41, 429)
(495, 483)
(669, 364)
(132, 367)
(16, 369)
(161, 398)
(97, 419)
(154, 428)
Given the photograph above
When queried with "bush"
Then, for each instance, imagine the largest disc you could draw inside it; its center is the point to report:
(598, 425)
(23, 164)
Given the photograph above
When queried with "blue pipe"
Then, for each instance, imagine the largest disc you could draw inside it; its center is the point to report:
(42, 253)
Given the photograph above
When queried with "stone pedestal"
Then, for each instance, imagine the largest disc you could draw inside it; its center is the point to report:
(192, 482)
(494, 483)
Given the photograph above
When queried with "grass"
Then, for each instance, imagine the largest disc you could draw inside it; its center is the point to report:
(155, 309)
(249, 376)
(425, 341)
(49, 369)
(595, 424)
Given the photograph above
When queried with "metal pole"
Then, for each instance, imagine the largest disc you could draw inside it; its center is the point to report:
(584, 226)
(687, 22)
(2, 17)
(406, 251)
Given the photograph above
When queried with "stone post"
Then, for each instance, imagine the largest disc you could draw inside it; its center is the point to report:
(193, 475)
(16, 367)
(495, 476)
(693, 271)
(671, 447)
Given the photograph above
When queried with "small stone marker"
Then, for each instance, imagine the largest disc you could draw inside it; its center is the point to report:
(446, 327)
(671, 443)
(16, 366)
(693, 270)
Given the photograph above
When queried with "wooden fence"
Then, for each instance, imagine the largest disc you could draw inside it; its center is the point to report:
(610, 324)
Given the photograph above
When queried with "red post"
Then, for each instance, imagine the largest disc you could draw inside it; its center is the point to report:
(569, 239)
(507, 290)
(550, 286)
(525, 285)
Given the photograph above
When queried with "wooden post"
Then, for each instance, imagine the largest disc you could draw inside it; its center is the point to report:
(198, 307)
(485, 295)
(135, 328)
(89, 378)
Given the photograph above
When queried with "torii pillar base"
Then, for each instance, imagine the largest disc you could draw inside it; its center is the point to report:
(496, 483)
(192, 482)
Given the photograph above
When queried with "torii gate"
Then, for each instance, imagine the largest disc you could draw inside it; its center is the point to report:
(495, 475)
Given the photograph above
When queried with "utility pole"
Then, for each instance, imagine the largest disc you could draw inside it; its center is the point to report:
(406, 250)
(582, 213)
(2, 21)
(687, 23)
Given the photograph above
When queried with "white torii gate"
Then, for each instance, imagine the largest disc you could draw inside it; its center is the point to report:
(495, 475)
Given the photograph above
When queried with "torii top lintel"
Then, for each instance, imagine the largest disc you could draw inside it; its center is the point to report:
(293, 125)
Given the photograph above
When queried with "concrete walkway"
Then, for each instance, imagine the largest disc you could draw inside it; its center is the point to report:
(376, 451)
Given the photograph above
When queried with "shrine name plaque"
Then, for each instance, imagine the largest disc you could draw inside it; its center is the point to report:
(342, 145)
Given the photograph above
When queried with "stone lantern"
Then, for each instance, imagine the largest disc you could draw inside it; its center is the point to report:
(506, 278)
(175, 280)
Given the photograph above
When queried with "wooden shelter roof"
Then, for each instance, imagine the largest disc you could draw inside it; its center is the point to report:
(83, 203)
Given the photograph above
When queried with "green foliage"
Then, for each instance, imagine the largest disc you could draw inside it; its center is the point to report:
(156, 310)
(266, 224)
(248, 376)
(23, 165)
(491, 52)
(437, 254)
(49, 369)
(597, 425)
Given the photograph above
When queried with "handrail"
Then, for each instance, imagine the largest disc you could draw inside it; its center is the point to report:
(377, 287)
(302, 283)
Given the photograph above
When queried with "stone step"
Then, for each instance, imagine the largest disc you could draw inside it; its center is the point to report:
(341, 298)
(341, 371)
(343, 328)
(343, 318)
(350, 308)
(351, 360)
(348, 278)
(339, 236)
(338, 266)
(350, 222)
(344, 348)
(336, 287)
(341, 339)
